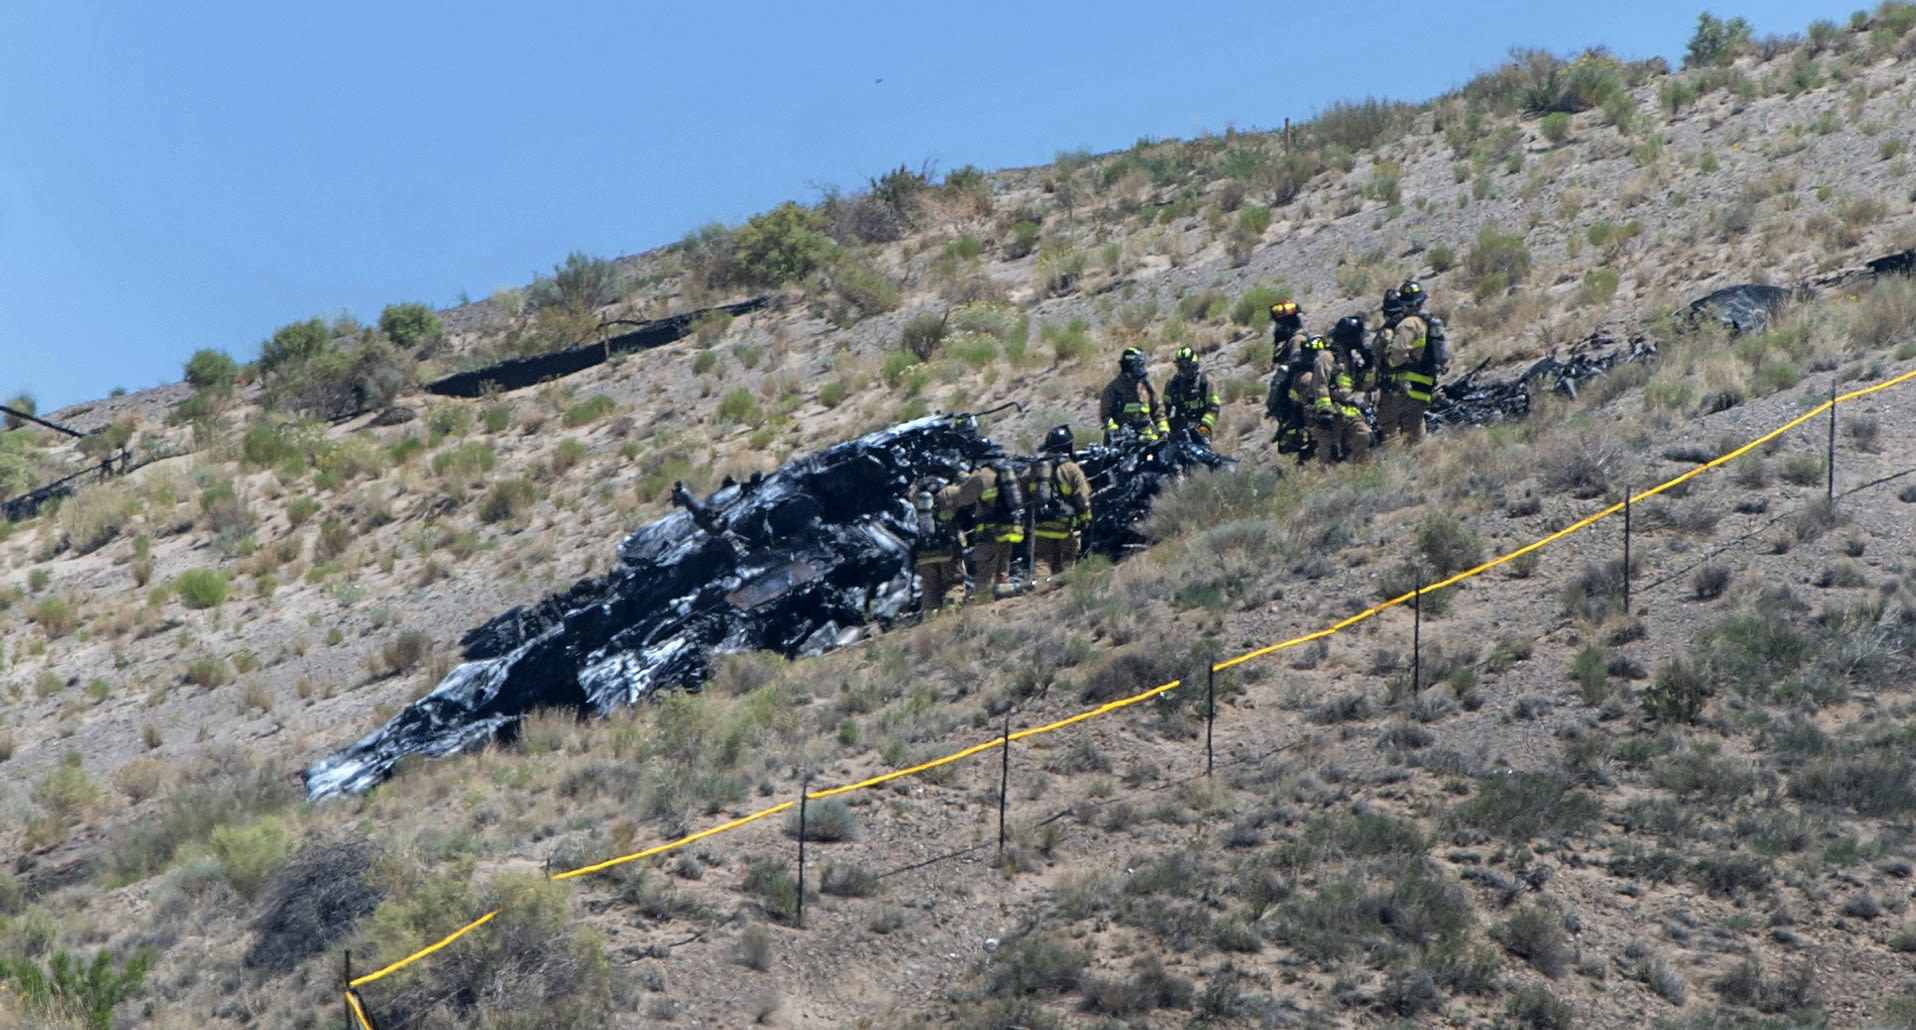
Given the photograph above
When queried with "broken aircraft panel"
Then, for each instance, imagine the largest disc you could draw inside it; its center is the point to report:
(803, 560)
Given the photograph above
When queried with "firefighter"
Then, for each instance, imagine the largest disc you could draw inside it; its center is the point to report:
(1287, 331)
(940, 547)
(1329, 388)
(1282, 404)
(1130, 401)
(1413, 356)
(1060, 500)
(1188, 398)
(990, 503)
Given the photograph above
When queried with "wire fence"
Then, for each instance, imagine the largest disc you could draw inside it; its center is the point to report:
(360, 1014)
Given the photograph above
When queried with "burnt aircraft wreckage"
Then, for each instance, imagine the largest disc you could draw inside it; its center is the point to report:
(806, 559)
(820, 552)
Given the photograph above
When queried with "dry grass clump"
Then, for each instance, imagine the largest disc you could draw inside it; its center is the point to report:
(94, 516)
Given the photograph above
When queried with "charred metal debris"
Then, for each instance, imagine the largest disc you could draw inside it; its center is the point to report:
(809, 558)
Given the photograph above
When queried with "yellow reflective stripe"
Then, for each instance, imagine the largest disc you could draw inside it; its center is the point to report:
(1416, 396)
(1322, 404)
(1133, 408)
(1054, 534)
(1209, 419)
(1419, 377)
(990, 494)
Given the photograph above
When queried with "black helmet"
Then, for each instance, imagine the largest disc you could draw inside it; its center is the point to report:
(1349, 329)
(1393, 305)
(1410, 295)
(1059, 440)
(1185, 356)
(1316, 343)
(1132, 363)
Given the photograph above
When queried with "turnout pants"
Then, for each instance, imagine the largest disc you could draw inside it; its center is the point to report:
(1056, 554)
(1397, 413)
(938, 576)
(993, 560)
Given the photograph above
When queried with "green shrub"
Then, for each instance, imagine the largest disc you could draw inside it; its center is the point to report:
(897, 363)
(408, 325)
(201, 588)
(495, 418)
(65, 789)
(407, 650)
(922, 335)
(509, 499)
(248, 855)
(1535, 1008)
(93, 517)
(1253, 308)
(70, 990)
(294, 344)
(768, 879)
(1447, 544)
(212, 370)
(567, 455)
(581, 283)
(1555, 127)
(330, 382)
(1360, 125)
(1535, 934)
(740, 406)
(335, 539)
(469, 460)
(587, 411)
(21, 402)
(1069, 342)
(301, 510)
(208, 671)
(826, 820)
(1025, 235)
(782, 245)
(1716, 41)
(1599, 286)
(865, 288)
(1521, 806)
(1496, 261)
(1677, 693)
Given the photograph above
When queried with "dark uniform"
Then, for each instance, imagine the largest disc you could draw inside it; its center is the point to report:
(1293, 434)
(1130, 401)
(1189, 401)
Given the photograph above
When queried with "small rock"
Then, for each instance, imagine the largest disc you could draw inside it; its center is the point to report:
(991, 944)
(1786, 938)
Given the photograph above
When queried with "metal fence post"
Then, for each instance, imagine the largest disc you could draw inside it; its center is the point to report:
(1626, 552)
(1004, 784)
(804, 788)
(1210, 714)
(1417, 635)
(1830, 489)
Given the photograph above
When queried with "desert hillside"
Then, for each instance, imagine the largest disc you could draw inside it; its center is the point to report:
(1692, 810)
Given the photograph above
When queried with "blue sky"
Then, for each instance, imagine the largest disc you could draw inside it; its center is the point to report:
(177, 176)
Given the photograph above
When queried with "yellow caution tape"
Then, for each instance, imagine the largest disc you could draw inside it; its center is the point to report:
(1113, 706)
